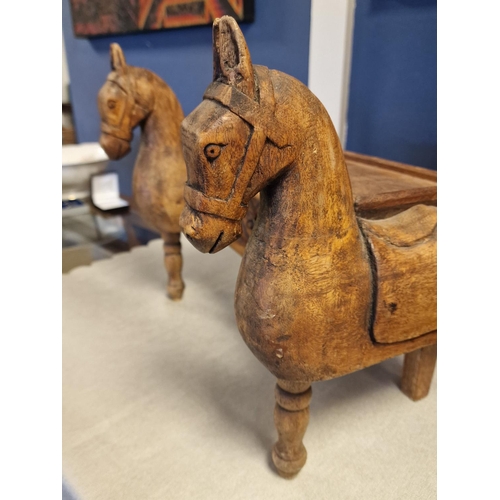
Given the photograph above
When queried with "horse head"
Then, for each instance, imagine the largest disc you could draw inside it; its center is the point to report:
(120, 105)
(228, 142)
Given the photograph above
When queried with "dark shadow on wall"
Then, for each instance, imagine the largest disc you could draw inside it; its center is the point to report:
(392, 95)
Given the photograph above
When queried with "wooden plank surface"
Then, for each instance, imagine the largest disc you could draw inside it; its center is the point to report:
(379, 184)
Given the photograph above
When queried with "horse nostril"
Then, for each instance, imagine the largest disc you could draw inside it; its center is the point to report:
(190, 231)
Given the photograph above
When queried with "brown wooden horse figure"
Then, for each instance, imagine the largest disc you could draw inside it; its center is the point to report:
(135, 96)
(320, 292)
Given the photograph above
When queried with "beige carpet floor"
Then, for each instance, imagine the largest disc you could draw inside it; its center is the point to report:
(163, 400)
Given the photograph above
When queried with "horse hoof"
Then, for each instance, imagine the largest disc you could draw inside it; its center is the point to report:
(175, 292)
(288, 469)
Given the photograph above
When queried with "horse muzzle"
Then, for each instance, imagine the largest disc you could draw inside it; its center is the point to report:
(114, 147)
(208, 233)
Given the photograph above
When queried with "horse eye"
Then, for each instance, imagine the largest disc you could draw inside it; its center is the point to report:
(111, 104)
(212, 151)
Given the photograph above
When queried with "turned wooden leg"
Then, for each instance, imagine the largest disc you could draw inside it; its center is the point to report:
(418, 369)
(173, 265)
(291, 416)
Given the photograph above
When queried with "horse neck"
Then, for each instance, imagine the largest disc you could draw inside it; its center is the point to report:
(311, 203)
(160, 129)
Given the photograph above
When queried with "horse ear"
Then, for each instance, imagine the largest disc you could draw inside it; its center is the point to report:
(232, 62)
(117, 57)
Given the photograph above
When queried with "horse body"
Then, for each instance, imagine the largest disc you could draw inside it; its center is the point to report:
(306, 246)
(320, 292)
(135, 96)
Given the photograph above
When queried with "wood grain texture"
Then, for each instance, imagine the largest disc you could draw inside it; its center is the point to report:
(134, 97)
(380, 188)
(314, 273)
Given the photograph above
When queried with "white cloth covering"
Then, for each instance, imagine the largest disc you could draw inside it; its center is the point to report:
(163, 400)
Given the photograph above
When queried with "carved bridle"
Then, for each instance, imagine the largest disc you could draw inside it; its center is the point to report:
(130, 111)
(260, 115)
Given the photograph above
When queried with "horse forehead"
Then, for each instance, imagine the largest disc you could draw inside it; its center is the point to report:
(207, 117)
(116, 82)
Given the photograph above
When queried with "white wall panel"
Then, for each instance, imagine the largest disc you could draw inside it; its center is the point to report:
(330, 57)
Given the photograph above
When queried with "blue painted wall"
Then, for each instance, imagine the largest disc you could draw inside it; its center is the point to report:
(278, 38)
(392, 100)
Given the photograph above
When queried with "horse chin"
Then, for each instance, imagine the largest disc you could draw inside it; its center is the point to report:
(115, 148)
(208, 233)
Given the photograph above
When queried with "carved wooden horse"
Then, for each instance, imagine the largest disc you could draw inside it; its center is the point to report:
(135, 96)
(320, 292)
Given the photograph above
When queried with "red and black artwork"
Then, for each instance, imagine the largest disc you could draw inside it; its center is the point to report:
(105, 17)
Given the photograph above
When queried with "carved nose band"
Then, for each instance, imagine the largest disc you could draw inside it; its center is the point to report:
(229, 209)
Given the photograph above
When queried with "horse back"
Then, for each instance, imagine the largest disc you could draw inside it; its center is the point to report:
(404, 249)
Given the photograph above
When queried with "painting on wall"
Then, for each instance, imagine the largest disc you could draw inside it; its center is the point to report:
(106, 17)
